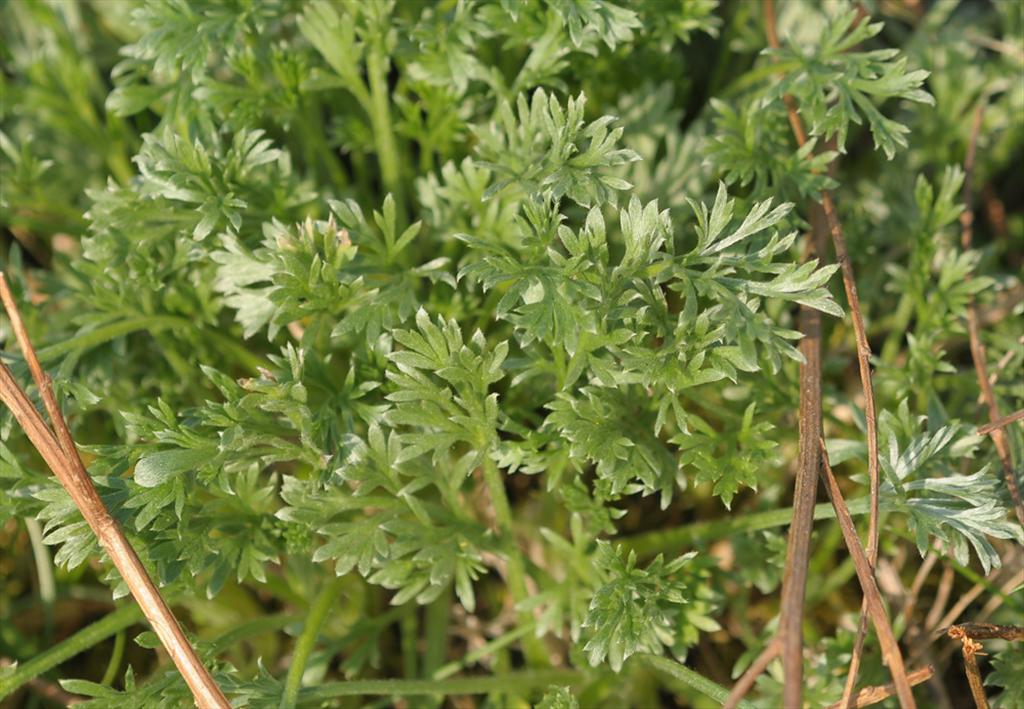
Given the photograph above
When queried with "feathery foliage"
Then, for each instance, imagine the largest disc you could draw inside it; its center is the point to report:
(483, 315)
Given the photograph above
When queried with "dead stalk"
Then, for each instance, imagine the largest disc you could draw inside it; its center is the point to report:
(1001, 423)
(891, 654)
(746, 681)
(986, 612)
(962, 603)
(974, 331)
(985, 631)
(59, 452)
(791, 651)
(969, 634)
(915, 587)
(931, 621)
(970, 649)
(873, 695)
(794, 581)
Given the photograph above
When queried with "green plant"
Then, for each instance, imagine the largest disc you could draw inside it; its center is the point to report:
(470, 347)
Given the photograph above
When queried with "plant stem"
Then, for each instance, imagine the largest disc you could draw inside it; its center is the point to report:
(409, 628)
(513, 682)
(693, 679)
(974, 331)
(304, 645)
(57, 448)
(44, 571)
(502, 641)
(79, 642)
(151, 323)
(256, 626)
(380, 118)
(873, 695)
(436, 620)
(532, 646)
(106, 333)
(671, 540)
(891, 654)
(798, 544)
(835, 229)
(970, 650)
(115, 660)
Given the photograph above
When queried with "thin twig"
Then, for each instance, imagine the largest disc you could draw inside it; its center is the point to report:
(863, 357)
(61, 456)
(927, 634)
(1002, 422)
(873, 695)
(995, 212)
(973, 329)
(1014, 582)
(891, 654)
(962, 603)
(798, 546)
(794, 580)
(987, 610)
(747, 679)
(789, 641)
(918, 583)
(985, 631)
(970, 649)
(931, 621)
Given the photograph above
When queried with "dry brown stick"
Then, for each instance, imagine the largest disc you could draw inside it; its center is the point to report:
(915, 587)
(961, 605)
(928, 633)
(891, 654)
(747, 679)
(970, 649)
(789, 639)
(863, 356)
(61, 456)
(995, 212)
(864, 365)
(1002, 422)
(974, 331)
(798, 546)
(794, 581)
(40, 377)
(985, 631)
(997, 599)
(986, 612)
(873, 695)
(941, 598)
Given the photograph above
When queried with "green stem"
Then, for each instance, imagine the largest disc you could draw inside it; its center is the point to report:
(690, 678)
(79, 642)
(115, 660)
(119, 165)
(304, 645)
(380, 118)
(436, 620)
(514, 682)
(901, 320)
(757, 74)
(106, 333)
(532, 646)
(410, 633)
(44, 571)
(670, 540)
(966, 572)
(313, 127)
(253, 627)
(498, 643)
(151, 323)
